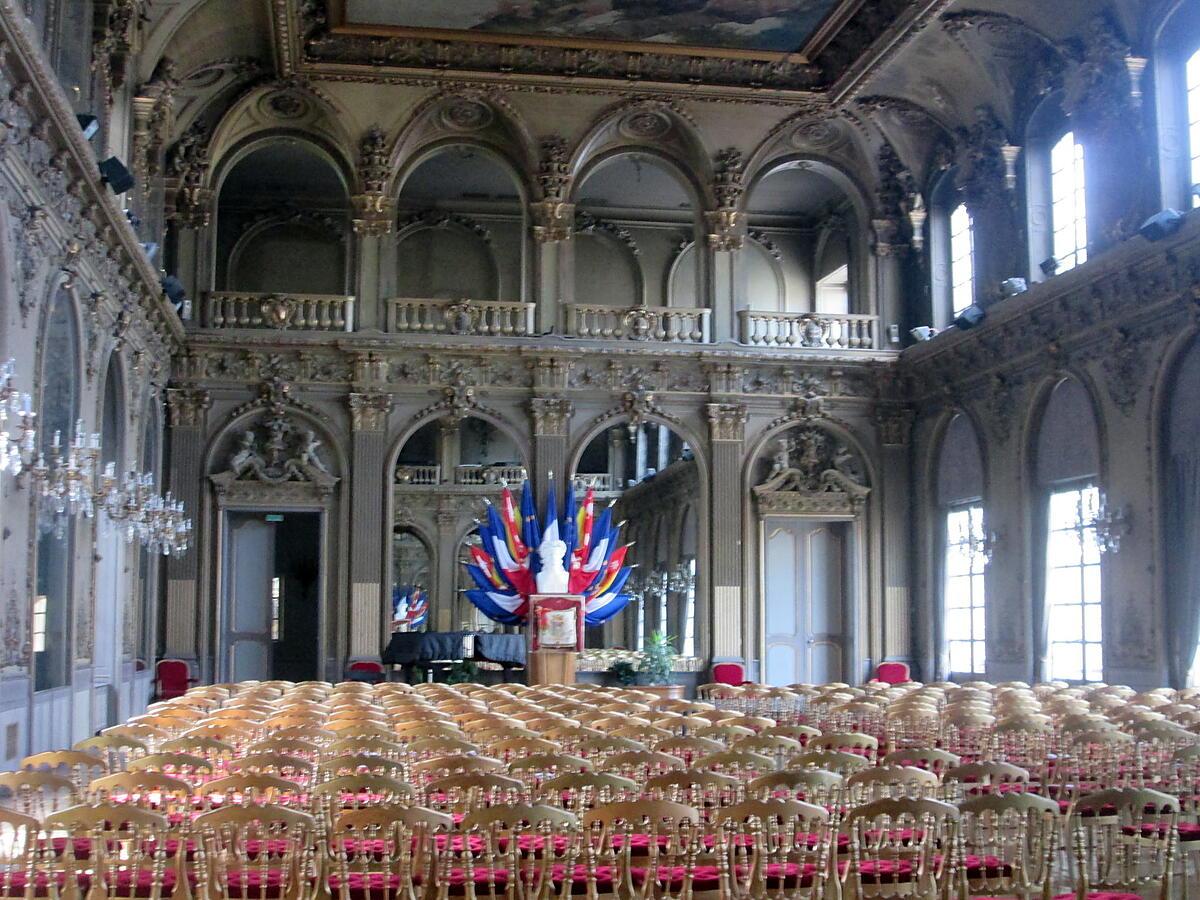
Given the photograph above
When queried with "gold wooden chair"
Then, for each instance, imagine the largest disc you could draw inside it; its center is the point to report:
(742, 764)
(890, 781)
(816, 786)
(256, 851)
(775, 848)
(38, 794)
(360, 789)
(901, 848)
(698, 788)
(833, 760)
(386, 852)
(864, 745)
(113, 851)
(468, 790)
(581, 790)
(79, 766)
(1010, 843)
(1124, 841)
(361, 762)
(647, 848)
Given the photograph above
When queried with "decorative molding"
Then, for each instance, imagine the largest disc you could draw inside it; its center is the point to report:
(586, 223)
(551, 416)
(727, 421)
(187, 407)
(812, 472)
(374, 208)
(432, 218)
(369, 411)
(893, 423)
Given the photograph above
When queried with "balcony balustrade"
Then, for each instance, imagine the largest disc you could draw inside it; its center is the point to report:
(408, 315)
(301, 312)
(677, 325)
(822, 331)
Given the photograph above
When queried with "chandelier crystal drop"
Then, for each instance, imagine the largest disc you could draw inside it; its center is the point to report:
(18, 434)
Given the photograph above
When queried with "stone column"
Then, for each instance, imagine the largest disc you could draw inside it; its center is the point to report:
(618, 445)
(725, 234)
(551, 425)
(448, 609)
(731, 634)
(449, 447)
(187, 411)
(554, 223)
(893, 424)
(368, 607)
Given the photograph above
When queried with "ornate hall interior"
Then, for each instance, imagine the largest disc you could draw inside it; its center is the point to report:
(874, 324)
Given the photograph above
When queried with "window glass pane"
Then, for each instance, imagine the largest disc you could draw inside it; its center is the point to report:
(1068, 214)
(960, 656)
(964, 616)
(962, 263)
(1193, 101)
(1073, 586)
(1091, 623)
(1066, 661)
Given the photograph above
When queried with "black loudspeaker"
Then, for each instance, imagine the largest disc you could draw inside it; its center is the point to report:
(116, 176)
(174, 290)
(88, 124)
(1161, 224)
(970, 317)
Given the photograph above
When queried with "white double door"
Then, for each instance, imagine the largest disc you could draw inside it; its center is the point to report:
(804, 590)
(249, 569)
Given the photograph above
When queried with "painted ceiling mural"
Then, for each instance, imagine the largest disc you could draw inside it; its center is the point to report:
(753, 26)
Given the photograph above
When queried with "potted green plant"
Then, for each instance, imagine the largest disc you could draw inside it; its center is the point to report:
(658, 659)
(624, 672)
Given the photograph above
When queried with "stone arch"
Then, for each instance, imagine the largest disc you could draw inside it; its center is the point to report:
(1039, 400)
(617, 417)
(476, 118)
(328, 434)
(430, 415)
(651, 127)
(241, 129)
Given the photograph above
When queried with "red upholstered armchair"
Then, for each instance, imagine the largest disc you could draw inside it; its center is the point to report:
(172, 677)
(729, 673)
(892, 673)
(366, 670)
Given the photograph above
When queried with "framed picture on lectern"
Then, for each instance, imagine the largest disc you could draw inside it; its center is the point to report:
(557, 623)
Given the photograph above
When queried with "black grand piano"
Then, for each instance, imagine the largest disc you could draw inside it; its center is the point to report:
(434, 649)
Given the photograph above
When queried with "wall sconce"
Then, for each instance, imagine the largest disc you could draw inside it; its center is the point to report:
(1110, 525)
(1010, 152)
(1135, 66)
(917, 214)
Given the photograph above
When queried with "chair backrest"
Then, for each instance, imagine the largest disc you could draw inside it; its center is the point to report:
(1124, 840)
(893, 673)
(728, 673)
(172, 677)
(1011, 841)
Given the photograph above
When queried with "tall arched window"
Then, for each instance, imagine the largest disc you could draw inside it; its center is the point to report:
(1067, 472)
(960, 486)
(55, 551)
(1068, 210)
(1192, 76)
(962, 259)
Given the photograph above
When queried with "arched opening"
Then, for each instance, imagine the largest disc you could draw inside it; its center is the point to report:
(412, 580)
(1067, 563)
(110, 543)
(1055, 191)
(809, 220)
(467, 451)
(462, 229)
(810, 488)
(148, 570)
(633, 210)
(282, 222)
(57, 413)
(651, 475)
(1176, 72)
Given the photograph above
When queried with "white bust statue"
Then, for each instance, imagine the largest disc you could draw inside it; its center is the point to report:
(553, 577)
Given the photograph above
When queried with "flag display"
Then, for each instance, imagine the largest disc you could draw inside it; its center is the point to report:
(410, 606)
(504, 569)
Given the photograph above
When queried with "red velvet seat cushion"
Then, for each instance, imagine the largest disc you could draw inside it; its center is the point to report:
(986, 867)
(882, 871)
(704, 878)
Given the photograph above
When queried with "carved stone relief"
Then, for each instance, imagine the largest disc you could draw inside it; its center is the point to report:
(812, 471)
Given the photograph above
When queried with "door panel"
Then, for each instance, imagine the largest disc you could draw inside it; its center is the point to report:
(804, 597)
(250, 565)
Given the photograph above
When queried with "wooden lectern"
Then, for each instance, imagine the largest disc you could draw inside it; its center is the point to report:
(555, 637)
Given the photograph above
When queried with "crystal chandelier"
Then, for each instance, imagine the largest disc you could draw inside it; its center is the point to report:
(157, 521)
(64, 486)
(1108, 524)
(69, 485)
(18, 436)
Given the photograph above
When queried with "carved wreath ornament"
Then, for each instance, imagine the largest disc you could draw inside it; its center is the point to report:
(812, 471)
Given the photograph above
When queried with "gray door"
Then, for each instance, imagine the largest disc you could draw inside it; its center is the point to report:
(249, 568)
(804, 593)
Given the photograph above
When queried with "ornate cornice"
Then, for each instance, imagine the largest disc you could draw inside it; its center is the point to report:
(369, 411)
(727, 421)
(53, 168)
(551, 416)
(310, 39)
